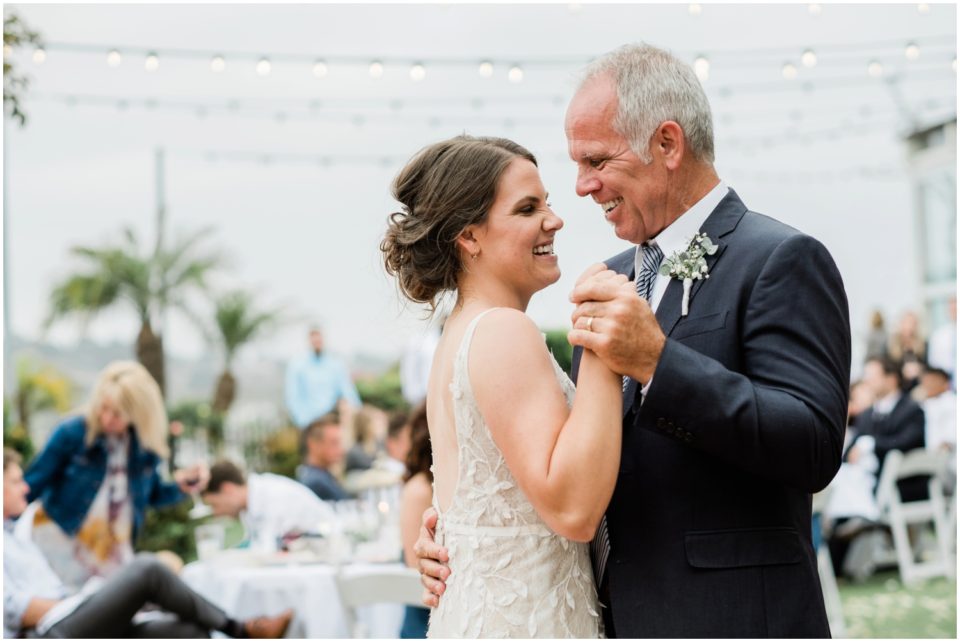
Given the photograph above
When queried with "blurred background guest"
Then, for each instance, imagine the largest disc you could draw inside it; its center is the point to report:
(416, 497)
(940, 410)
(369, 432)
(269, 506)
(908, 349)
(877, 336)
(36, 603)
(318, 383)
(324, 444)
(894, 421)
(100, 471)
(943, 344)
(397, 444)
(416, 362)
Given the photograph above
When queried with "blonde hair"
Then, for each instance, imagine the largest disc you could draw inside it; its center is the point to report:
(137, 395)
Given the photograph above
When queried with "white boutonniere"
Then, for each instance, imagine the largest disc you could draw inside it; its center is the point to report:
(689, 265)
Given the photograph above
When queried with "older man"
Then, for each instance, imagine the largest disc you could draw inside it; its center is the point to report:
(735, 387)
(36, 603)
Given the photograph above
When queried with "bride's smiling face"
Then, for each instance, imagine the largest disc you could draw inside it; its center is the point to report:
(516, 241)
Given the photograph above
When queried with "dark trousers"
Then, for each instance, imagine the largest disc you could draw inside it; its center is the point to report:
(109, 612)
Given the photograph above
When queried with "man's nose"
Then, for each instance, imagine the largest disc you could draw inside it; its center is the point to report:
(587, 183)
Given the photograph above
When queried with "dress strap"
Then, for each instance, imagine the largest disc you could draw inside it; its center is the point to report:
(464, 350)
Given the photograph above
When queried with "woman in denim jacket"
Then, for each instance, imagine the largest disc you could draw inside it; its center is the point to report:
(98, 473)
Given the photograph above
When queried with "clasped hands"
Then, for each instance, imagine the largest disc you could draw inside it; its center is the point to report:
(612, 321)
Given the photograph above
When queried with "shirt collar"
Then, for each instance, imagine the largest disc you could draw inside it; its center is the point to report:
(886, 405)
(676, 236)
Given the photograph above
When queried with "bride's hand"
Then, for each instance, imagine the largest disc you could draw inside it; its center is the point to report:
(431, 560)
(617, 325)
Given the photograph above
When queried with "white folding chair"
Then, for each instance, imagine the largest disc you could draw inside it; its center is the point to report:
(899, 514)
(828, 580)
(387, 585)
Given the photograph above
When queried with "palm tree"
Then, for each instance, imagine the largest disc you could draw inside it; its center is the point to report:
(238, 323)
(39, 388)
(151, 283)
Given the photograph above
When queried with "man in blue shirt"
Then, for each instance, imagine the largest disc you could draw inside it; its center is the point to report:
(316, 382)
(36, 603)
(324, 450)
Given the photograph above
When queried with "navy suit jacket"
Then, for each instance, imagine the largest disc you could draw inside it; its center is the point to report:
(710, 526)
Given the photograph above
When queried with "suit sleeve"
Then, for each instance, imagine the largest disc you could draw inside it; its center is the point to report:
(782, 415)
(908, 436)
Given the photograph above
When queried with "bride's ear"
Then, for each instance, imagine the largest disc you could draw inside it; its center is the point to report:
(468, 243)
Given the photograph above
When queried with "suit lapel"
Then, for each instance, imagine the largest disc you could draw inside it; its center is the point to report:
(722, 221)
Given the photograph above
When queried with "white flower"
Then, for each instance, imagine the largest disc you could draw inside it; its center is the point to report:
(689, 265)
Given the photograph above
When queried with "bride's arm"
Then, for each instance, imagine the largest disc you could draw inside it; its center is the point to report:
(566, 461)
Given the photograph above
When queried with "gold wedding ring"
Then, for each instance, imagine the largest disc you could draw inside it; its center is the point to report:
(589, 324)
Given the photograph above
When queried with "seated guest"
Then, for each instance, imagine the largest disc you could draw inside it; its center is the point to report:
(269, 505)
(369, 430)
(894, 421)
(416, 497)
(940, 409)
(324, 447)
(36, 603)
(397, 444)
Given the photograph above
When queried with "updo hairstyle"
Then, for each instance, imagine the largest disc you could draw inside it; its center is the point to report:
(443, 189)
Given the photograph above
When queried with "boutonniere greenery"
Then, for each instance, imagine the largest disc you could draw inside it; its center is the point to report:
(689, 265)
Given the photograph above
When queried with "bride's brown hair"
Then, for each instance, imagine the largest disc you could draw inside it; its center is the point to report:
(443, 189)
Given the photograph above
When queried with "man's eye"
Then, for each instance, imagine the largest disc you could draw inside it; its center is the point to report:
(596, 163)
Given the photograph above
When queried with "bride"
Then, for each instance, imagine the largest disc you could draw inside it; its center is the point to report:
(522, 471)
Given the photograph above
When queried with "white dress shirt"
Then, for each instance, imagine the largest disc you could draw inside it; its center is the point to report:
(277, 505)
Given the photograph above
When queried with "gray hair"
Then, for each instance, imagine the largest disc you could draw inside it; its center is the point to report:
(654, 86)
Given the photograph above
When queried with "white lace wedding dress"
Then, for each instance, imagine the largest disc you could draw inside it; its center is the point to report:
(511, 576)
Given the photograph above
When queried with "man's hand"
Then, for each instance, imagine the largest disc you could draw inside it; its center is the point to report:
(616, 324)
(432, 560)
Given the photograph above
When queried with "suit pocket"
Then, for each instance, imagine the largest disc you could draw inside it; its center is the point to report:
(691, 326)
(741, 548)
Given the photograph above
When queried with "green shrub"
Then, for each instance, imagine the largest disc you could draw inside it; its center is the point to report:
(561, 349)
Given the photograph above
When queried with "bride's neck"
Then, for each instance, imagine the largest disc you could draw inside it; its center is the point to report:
(489, 295)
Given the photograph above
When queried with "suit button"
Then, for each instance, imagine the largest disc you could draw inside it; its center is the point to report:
(688, 438)
(661, 423)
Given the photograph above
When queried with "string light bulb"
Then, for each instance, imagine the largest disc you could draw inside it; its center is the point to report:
(695, 9)
(701, 66)
(808, 58)
(39, 55)
(875, 69)
(789, 70)
(264, 66)
(912, 52)
(217, 64)
(320, 69)
(418, 72)
(7, 50)
(376, 69)
(114, 58)
(923, 7)
(515, 75)
(486, 69)
(814, 9)
(152, 62)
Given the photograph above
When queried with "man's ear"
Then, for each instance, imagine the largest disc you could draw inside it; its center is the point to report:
(670, 143)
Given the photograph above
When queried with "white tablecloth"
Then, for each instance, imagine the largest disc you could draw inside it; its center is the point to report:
(310, 589)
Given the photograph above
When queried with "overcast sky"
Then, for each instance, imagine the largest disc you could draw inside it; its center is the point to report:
(294, 170)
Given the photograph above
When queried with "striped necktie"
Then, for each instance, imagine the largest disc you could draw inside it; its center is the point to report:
(649, 266)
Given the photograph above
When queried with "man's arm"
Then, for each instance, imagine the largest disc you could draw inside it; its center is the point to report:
(20, 609)
(782, 416)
